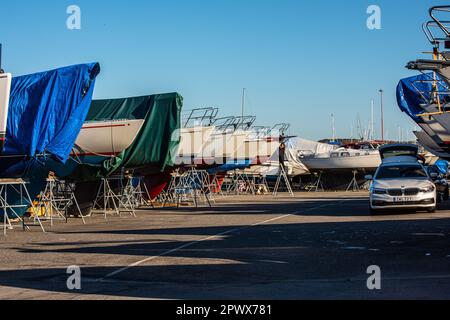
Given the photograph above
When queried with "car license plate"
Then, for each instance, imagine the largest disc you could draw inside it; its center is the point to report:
(403, 199)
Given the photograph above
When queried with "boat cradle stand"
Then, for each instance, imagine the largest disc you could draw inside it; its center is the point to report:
(56, 200)
(108, 201)
(317, 185)
(353, 186)
(16, 187)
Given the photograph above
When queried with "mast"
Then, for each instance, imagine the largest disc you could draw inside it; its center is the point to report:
(333, 127)
(243, 106)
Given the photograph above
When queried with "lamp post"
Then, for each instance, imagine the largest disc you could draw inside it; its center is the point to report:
(382, 115)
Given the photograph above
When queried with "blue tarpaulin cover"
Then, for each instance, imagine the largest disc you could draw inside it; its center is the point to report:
(48, 109)
(442, 166)
(408, 97)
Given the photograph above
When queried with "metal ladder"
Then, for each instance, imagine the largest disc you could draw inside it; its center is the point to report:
(282, 175)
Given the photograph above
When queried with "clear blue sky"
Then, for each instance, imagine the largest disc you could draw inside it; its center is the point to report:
(300, 60)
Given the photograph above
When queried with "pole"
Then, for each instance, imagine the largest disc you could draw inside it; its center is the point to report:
(243, 105)
(333, 127)
(382, 116)
(372, 123)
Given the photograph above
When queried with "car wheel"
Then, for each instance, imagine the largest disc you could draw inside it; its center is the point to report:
(431, 210)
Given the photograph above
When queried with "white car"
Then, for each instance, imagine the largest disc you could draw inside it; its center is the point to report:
(401, 181)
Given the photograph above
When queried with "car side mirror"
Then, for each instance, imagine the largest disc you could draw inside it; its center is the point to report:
(434, 175)
(368, 177)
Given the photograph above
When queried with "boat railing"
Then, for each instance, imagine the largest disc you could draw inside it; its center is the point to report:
(245, 122)
(280, 129)
(224, 124)
(440, 23)
(232, 123)
(430, 28)
(200, 116)
(260, 132)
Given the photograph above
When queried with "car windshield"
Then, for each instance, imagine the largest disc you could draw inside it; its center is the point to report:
(401, 171)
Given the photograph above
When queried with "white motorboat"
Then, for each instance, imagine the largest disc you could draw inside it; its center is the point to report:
(5, 89)
(106, 138)
(225, 143)
(192, 142)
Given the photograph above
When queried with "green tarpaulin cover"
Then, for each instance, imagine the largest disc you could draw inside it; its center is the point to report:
(154, 147)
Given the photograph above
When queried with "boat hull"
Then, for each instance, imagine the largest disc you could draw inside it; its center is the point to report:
(362, 162)
(107, 138)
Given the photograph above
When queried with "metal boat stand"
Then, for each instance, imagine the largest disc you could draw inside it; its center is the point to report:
(56, 200)
(16, 187)
(136, 192)
(193, 185)
(168, 194)
(354, 186)
(282, 176)
(317, 185)
(242, 183)
(108, 201)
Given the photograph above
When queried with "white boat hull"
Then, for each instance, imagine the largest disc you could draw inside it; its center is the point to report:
(192, 142)
(107, 138)
(371, 161)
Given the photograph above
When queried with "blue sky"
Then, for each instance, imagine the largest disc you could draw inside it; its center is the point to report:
(300, 60)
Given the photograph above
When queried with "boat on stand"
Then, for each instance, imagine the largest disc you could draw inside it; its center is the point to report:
(345, 165)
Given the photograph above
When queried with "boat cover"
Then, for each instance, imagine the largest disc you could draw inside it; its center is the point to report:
(156, 145)
(442, 166)
(408, 97)
(48, 109)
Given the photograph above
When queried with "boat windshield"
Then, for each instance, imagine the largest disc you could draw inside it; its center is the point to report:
(401, 171)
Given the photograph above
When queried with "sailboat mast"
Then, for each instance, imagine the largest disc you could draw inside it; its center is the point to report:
(243, 106)
(333, 127)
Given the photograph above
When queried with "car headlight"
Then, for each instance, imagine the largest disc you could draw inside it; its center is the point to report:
(379, 191)
(428, 189)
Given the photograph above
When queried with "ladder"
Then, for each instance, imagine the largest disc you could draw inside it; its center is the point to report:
(282, 175)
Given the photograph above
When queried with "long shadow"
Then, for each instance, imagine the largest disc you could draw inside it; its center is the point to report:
(264, 257)
(359, 207)
(260, 262)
